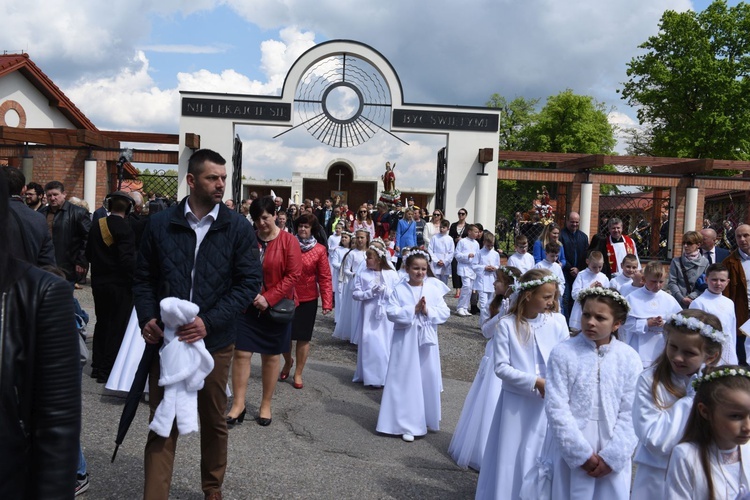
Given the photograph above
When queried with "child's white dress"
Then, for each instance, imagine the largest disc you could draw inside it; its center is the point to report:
(375, 331)
(339, 279)
(411, 396)
(441, 248)
(348, 316)
(470, 437)
(686, 480)
(589, 404)
(658, 431)
(518, 427)
(648, 341)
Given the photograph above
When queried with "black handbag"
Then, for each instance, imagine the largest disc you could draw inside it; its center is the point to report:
(282, 312)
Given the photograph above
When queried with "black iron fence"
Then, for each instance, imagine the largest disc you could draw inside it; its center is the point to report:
(723, 212)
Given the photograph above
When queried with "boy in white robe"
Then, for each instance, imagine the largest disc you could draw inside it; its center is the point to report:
(590, 277)
(488, 261)
(650, 308)
(631, 287)
(441, 250)
(629, 266)
(466, 254)
(712, 301)
(552, 252)
(522, 259)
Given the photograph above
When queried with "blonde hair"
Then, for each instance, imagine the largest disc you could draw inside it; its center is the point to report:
(519, 308)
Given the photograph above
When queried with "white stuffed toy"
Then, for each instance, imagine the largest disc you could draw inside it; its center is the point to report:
(184, 367)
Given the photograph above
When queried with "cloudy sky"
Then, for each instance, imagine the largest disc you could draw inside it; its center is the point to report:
(124, 61)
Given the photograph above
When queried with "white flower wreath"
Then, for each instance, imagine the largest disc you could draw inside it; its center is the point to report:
(604, 292)
(418, 252)
(526, 285)
(381, 253)
(720, 373)
(699, 326)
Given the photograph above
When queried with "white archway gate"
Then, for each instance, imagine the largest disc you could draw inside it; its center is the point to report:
(471, 132)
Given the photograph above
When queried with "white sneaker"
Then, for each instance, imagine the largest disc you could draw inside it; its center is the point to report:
(408, 438)
(462, 312)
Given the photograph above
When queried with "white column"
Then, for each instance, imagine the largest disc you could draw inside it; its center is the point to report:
(587, 189)
(691, 208)
(27, 166)
(89, 183)
(482, 204)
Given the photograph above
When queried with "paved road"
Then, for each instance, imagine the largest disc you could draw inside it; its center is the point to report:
(322, 443)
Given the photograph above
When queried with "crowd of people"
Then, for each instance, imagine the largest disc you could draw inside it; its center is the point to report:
(594, 362)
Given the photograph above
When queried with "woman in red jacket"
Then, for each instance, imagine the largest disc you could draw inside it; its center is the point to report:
(257, 332)
(316, 275)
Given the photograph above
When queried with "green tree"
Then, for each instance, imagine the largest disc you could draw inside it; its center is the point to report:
(516, 117)
(691, 86)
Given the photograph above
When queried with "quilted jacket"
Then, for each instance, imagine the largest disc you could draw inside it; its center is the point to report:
(227, 270)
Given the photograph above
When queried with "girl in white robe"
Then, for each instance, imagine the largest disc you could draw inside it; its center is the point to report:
(411, 397)
(715, 444)
(589, 277)
(521, 347)
(473, 427)
(650, 308)
(336, 259)
(590, 387)
(712, 300)
(441, 250)
(372, 289)
(664, 398)
(349, 266)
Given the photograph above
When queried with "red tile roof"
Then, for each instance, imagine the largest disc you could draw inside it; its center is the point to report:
(23, 63)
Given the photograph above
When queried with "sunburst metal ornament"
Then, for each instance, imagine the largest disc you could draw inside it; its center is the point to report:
(343, 101)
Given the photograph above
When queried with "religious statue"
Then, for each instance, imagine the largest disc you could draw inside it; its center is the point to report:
(389, 178)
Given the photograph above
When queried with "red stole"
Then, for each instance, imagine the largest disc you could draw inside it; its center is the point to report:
(614, 266)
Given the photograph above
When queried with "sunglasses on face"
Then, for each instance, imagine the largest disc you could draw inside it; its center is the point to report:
(436, 215)
(461, 213)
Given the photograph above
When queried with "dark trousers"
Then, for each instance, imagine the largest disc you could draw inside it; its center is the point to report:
(457, 283)
(158, 460)
(113, 305)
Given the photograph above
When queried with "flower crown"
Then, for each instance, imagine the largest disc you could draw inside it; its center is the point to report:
(417, 251)
(506, 271)
(378, 241)
(526, 285)
(381, 253)
(699, 326)
(347, 233)
(604, 292)
(720, 373)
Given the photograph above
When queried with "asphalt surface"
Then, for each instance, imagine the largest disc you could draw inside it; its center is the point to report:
(322, 443)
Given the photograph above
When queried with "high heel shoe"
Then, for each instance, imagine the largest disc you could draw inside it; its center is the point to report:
(265, 422)
(283, 376)
(232, 421)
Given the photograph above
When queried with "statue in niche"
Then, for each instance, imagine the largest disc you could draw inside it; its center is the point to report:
(389, 178)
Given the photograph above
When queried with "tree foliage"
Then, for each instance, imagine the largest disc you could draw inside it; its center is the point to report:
(691, 86)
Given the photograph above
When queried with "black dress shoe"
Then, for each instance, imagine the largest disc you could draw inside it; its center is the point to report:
(265, 422)
(232, 421)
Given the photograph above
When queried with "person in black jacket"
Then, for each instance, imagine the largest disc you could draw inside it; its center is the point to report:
(111, 251)
(29, 237)
(70, 229)
(40, 384)
(575, 243)
(201, 251)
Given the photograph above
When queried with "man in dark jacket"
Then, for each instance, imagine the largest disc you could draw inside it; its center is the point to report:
(738, 265)
(201, 251)
(111, 251)
(575, 244)
(28, 237)
(69, 226)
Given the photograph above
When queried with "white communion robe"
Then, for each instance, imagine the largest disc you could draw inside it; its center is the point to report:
(619, 281)
(411, 396)
(375, 331)
(583, 281)
(470, 437)
(441, 248)
(339, 280)
(589, 404)
(519, 425)
(686, 480)
(723, 308)
(484, 284)
(648, 341)
(524, 262)
(348, 318)
(184, 367)
(658, 431)
(128, 358)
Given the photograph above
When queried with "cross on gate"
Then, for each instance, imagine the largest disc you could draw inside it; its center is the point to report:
(340, 175)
